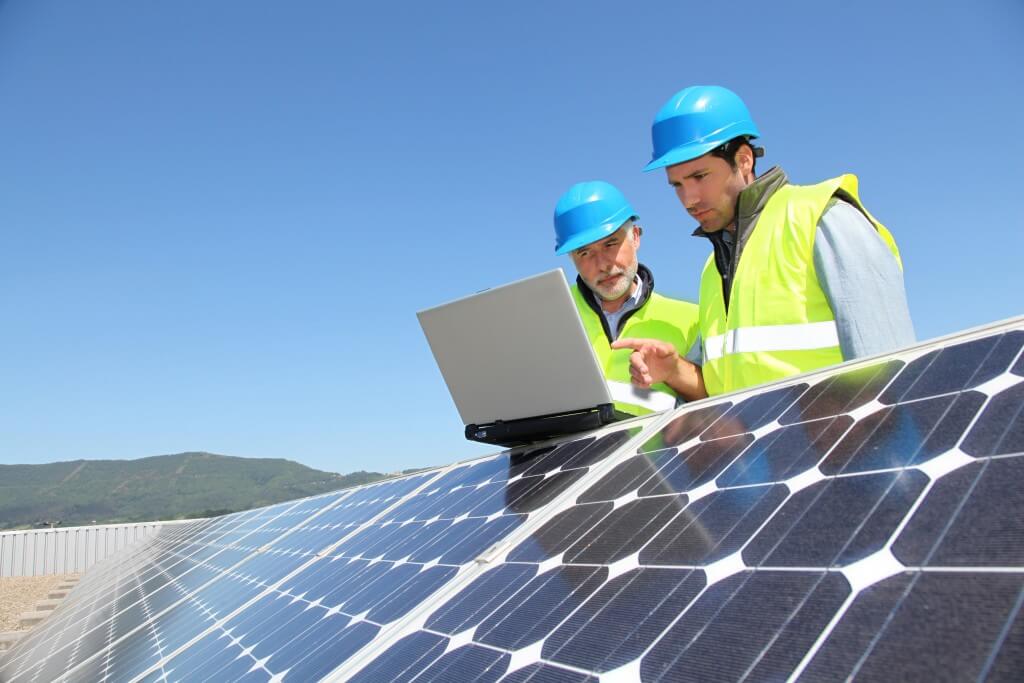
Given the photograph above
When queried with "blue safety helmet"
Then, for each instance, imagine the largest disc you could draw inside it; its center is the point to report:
(695, 121)
(588, 212)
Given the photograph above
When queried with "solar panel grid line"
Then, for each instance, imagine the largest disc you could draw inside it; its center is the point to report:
(145, 626)
(873, 568)
(228, 524)
(497, 554)
(107, 653)
(180, 591)
(83, 595)
(500, 551)
(285, 509)
(566, 455)
(1003, 636)
(90, 623)
(256, 598)
(858, 584)
(385, 511)
(990, 388)
(526, 659)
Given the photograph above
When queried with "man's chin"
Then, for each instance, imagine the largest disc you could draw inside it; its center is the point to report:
(606, 295)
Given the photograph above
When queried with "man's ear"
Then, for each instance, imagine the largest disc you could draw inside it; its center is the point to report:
(745, 159)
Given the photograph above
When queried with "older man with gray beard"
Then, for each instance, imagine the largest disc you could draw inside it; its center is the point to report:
(596, 226)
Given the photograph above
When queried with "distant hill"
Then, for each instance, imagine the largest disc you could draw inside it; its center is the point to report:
(184, 485)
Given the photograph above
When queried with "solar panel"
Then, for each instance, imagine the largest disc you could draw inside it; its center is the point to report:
(123, 594)
(864, 522)
(347, 594)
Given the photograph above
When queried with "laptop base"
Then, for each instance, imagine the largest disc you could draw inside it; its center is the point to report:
(532, 429)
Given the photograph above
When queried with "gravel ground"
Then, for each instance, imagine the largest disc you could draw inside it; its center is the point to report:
(20, 593)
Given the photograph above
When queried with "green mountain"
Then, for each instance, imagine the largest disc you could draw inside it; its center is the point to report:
(178, 486)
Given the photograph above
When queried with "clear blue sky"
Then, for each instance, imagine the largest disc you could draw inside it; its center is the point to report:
(218, 219)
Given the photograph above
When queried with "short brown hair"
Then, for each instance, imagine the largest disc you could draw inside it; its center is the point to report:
(728, 151)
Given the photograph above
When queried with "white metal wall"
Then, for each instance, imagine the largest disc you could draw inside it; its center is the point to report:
(41, 552)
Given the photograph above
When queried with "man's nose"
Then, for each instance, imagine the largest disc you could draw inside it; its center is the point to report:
(688, 198)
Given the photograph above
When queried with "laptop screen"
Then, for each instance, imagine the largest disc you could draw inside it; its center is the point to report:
(515, 351)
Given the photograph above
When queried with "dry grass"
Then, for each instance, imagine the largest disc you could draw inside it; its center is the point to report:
(20, 594)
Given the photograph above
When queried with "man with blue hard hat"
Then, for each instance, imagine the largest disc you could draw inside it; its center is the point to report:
(800, 277)
(596, 226)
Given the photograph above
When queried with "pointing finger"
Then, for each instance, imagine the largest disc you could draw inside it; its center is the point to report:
(627, 343)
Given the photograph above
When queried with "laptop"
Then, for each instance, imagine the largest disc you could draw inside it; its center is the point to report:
(518, 363)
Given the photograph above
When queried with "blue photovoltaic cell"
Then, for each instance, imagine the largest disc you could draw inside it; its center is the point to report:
(864, 523)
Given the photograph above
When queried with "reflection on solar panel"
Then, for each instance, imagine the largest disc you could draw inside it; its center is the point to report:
(864, 522)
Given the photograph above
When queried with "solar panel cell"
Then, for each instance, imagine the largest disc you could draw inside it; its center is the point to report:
(808, 532)
(754, 412)
(545, 673)
(786, 452)
(560, 532)
(903, 435)
(624, 618)
(713, 527)
(844, 392)
(1000, 427)
(467, 663)
(964, 522)
(694, 467)
(920, 626)
(624, 531)
(740, 622)
(955, 368)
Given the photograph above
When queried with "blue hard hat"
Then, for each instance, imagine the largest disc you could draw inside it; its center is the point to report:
(695, 121)
(588, 212)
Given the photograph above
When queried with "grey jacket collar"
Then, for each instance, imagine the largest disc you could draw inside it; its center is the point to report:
(752, 200)
(749, 205)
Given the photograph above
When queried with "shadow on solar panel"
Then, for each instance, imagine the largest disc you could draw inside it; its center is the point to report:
(863, 523)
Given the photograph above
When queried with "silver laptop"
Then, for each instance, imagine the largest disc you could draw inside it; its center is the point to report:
(518, 363)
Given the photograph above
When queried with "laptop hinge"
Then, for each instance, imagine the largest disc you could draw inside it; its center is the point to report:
(532, 429)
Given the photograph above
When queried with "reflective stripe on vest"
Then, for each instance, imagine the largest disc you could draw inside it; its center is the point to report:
(661, 318)
(798, 337)
(779, 321)
(654, 401)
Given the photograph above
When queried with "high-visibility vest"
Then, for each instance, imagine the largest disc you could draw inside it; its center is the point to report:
(661, 318)
(779, 322)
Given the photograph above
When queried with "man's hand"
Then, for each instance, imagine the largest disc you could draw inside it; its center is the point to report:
(654, 361)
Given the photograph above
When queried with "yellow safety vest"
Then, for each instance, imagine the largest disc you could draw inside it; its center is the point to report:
(779, 322)
(661, 318)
